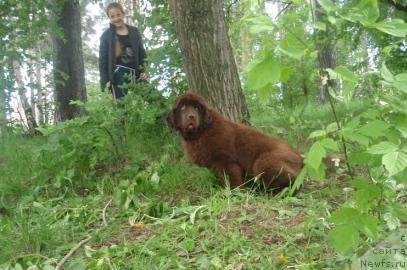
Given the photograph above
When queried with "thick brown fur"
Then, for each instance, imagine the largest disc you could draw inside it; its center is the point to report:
(229, 149)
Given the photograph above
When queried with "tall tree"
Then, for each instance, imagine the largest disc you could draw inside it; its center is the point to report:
(3, 102)
(325, 46)
(69, 75)
(207, 55)
(25, 104)
(41, 100)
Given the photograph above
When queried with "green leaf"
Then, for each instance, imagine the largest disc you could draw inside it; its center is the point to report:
(344, 238)
(315, 155)
(259, 24)
(263, 73)
(349, 82)
(344, 215)
(366, 193)
(320, 26)
(285, 74)
(369, 9)
(351, 135)
(299, 180)
(259, 28)
(346, 74)
(333, 94)
(370, 114)
(386, 74)
(317, 133)
(402, 77)
(332, 19)
(401, 125)
(368, 225)
(317, 174)
(382, 148)
(17, 266)
(400, 86)
(359, 158)
(397, 28)
(292, 47)
(365, 223)
(264, 93)
(365, 12)
(332, 127)
(362, 200)
(374, 129)
(333, 75)
(395, 162)
(400, 82)
(330, 144)
(327, 5)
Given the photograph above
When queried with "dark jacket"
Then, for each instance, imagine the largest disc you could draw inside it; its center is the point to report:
(106, 54)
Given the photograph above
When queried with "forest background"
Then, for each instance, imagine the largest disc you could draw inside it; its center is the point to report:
(79, 173)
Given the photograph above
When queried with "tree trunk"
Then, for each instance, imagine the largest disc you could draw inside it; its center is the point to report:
(207, 55)
(325, 46)
(32, 84)
(3, 102)
(27, 109)
(41, 94)
(69, 75)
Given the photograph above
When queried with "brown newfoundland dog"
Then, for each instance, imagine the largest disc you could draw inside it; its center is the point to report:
(236, 151)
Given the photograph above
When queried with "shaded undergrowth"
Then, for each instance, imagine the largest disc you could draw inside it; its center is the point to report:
(119, 176)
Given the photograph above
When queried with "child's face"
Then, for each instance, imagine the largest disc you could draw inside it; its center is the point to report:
(116, 17)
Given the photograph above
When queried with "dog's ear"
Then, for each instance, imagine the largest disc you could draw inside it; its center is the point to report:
(170, 119)
(206, 116)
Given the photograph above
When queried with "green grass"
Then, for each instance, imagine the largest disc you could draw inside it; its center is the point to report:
(165, 213)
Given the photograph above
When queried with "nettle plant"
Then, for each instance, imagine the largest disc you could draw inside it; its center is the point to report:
(375, 149)
(91, 143)
(373, 142)
(74, 147)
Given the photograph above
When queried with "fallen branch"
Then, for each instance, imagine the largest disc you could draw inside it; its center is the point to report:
(71, 252)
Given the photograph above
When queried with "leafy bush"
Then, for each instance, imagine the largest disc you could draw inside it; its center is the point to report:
(375, 147)
(98, 141)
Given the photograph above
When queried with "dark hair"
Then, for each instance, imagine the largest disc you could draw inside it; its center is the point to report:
(112, 6)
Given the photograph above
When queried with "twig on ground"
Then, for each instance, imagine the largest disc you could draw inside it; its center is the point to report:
(71, 252)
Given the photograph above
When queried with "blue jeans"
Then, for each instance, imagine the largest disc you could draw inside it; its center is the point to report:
(121, 76)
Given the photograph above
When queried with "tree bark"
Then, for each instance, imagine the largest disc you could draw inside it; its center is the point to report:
(27, 109)
(207, 55)
(32, 84)
(325, 46)
(69, 75)
(41, 93)
(3, 102)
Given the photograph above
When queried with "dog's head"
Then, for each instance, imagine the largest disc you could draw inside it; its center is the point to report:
(190, 115)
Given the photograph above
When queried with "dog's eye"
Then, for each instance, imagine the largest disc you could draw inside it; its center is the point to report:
(183, 107)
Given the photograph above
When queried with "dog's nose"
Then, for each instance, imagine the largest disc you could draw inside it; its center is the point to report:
(191, 116)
